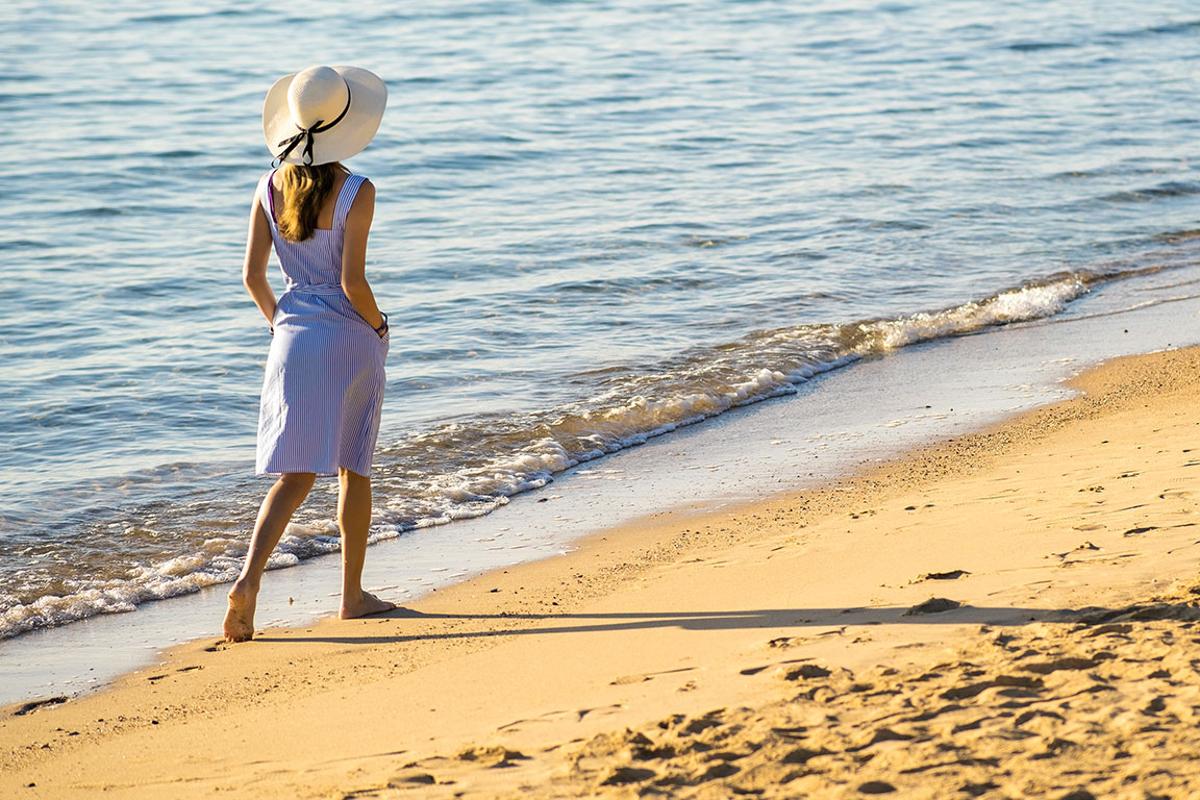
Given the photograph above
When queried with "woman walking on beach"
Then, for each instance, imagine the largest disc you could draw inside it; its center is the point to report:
(324, 382)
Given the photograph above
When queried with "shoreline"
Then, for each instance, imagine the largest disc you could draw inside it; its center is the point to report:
(873, 411)
(638, 582)
(191, 571)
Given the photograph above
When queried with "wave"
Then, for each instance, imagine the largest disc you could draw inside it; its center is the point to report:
(1149, 193)
(468, 468)
(1167, 28)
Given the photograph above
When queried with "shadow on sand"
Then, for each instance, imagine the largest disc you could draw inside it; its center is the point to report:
(774, 618)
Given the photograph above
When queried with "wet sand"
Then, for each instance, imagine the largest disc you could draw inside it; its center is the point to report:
(1008, 614)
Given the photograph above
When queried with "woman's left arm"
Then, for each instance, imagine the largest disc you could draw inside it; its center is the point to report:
(254, 267)
(354, 256)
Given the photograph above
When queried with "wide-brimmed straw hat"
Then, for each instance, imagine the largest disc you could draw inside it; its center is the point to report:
(323, 114)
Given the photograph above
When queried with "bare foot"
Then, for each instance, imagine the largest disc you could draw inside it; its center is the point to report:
(366, 604)
(239, 619)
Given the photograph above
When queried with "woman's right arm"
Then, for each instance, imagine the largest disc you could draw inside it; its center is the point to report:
(354, 256)
(254, 267)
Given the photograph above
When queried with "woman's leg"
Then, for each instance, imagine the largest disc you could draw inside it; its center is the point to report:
(354, 519)
(273, 516)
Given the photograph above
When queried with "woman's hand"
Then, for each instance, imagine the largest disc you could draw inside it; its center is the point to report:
(254, 267)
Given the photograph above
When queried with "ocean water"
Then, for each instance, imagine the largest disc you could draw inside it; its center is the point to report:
(597, 222)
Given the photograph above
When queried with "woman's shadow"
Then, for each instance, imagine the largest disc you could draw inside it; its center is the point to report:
(512, 624)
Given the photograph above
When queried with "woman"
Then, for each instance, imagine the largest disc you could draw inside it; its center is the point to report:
(324, 381)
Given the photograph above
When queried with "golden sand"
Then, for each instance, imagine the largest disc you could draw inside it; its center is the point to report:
(1008, 614)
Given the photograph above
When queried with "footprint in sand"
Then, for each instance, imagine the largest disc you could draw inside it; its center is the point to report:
(806, 672)
(978, 789)
(876, 787)
(550, 716)
(1029, 716)
(1111, 629)
(951, 575)
(1066, 663)
(625, 680)
(1155, 707)
(784, 642)
(712, 719)
(625, 775)
(1079, 794)
(492, 756)
(1079, 548)
(934, 605)
(802, 755)
(880, 736)
(1002, 682)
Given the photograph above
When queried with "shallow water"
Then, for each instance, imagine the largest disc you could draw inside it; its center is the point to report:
(596, 222)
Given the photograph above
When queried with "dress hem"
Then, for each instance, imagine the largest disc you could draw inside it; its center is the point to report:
(262, 473)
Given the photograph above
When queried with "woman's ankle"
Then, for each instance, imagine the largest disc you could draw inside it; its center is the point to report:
(244, 585)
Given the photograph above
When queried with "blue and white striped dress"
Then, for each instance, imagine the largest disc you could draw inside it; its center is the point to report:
(323, 389)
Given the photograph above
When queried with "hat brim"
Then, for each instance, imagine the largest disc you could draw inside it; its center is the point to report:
(368, 98)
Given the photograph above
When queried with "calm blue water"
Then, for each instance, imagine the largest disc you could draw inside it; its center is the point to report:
(596, 221)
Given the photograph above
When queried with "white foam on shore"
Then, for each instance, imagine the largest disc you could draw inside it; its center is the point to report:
(1016, 305)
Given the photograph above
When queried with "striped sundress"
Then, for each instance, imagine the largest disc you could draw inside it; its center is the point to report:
(323, 388)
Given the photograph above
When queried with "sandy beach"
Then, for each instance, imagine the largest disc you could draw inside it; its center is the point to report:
(1007, 614)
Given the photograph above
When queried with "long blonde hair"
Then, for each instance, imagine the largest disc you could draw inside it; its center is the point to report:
(304, 191)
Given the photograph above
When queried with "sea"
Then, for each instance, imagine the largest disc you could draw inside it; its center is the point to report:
(599, 224)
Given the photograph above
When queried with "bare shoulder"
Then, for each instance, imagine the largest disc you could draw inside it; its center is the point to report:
(364, 200)
(366, 192)
(260, 188)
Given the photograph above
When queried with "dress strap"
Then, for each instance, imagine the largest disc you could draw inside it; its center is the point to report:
(266, 196)
(346, 199)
